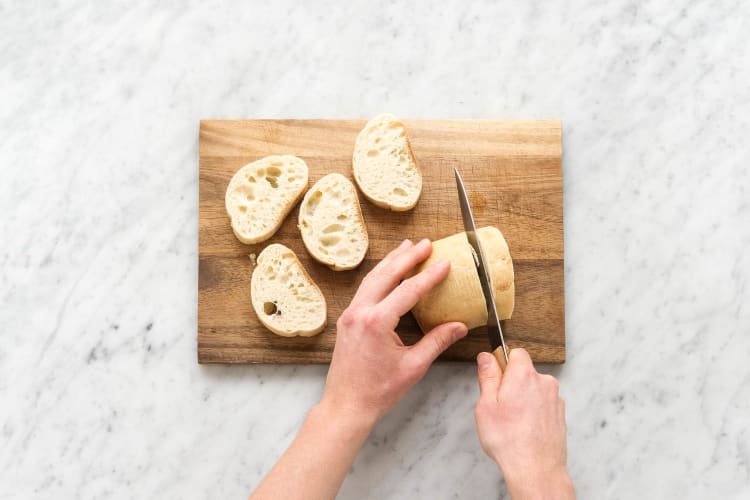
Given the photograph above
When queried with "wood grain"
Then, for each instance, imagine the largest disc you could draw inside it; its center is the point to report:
(512, 170)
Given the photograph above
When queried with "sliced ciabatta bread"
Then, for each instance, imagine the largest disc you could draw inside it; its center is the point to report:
(384, 166)
(262, 193)
(331, 223)
(285, 298)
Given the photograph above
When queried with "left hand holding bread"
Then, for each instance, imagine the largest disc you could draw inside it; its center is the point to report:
(372, 369)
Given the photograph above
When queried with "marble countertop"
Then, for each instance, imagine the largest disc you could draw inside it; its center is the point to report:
(100, 393)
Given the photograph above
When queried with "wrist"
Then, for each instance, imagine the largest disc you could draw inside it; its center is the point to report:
(355, 422)
(531, 486)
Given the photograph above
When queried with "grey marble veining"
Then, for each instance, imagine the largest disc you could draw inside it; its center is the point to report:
(100, 393)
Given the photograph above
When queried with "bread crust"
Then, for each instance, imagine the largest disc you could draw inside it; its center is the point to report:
(364, 165)
(296, 300)
(459, 297)
(257, 203)
(331, 223)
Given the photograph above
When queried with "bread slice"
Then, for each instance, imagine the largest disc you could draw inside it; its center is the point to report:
(331, 223)
(459, 296)
(384, 166)
(262, 193)
(285, 298)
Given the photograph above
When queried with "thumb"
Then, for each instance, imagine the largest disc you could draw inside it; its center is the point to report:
(437, 341)
(489, 376)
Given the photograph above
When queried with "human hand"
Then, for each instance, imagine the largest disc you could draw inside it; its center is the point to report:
(371, 369)
(521, 425)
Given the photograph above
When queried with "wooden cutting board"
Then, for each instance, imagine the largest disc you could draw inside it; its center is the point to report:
(512, 171)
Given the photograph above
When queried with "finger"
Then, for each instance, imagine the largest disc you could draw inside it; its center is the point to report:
(561, 409)
(551, 383)
(391, 270)
(436, 342)
(385, 261)
(489, 375)
(365, 293)
(519, 360)
(520, 370)
(562, 422)
(407, 294)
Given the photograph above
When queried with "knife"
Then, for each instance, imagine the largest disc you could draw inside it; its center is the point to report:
(494, 330)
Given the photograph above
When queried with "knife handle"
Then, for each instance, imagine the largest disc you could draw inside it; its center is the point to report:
(500, 357)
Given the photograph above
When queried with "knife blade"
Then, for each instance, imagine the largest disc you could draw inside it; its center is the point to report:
(494, 330)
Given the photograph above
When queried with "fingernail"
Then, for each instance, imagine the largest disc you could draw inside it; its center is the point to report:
(404, 244)
(483, 360)
(424, 243)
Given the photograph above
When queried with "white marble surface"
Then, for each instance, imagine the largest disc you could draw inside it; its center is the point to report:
(100, 393)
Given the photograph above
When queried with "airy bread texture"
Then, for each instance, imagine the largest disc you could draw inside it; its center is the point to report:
(459, 297)
(331, 223)
(384, 166)
(285, 298)
(262, 193)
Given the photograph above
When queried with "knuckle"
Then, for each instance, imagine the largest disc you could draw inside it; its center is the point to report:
(385, 274)
(397, 251)
(409, 285)
(413, 372)
(521, 358)
(413, 285)
(348, 318)
(551, 382)
(370, 318)
(526, 374)
(389, 273)
(429, 275)
(414, 363)
(439, 343)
